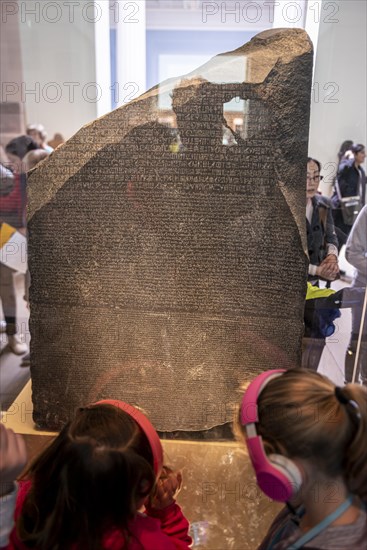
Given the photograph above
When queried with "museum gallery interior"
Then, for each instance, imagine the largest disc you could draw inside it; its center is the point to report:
(158, 248)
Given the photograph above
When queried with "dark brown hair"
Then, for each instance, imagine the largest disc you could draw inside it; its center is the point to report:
(345, 146)
(357, 148)
(309, 159)
(20, 146)
(89, 480)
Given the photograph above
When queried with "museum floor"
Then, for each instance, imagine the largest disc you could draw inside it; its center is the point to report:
(219, 496)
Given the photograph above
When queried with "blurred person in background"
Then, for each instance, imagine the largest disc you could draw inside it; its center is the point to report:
(7, 290)
(356, 254)
(350, 182)
(33, 158)
(345, 152)
(57, 140)
(38, 133)
(13, 205)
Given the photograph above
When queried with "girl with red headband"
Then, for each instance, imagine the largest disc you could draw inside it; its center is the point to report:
(87, 490)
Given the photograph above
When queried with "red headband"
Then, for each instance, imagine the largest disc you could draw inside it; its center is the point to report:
(145, 425)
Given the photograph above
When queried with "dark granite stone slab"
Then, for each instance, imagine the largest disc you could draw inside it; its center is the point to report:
(168, 268)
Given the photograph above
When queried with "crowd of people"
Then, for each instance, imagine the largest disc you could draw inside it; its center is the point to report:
(102, 482)
(20, 155)
(327, 230)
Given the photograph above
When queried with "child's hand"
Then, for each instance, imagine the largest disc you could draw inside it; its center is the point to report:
(168, 487)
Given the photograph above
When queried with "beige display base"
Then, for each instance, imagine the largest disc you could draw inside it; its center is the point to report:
(219, 496)
(19, 415)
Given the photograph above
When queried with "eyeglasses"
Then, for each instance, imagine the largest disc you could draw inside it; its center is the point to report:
(315, 178)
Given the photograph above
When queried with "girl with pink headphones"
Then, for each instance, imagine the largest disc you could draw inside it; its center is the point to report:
(87, 489)
(307, 441)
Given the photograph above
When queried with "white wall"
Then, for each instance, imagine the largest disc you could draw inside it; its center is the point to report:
(64, 51)
(59, 65)
(338, 105)
(10, 75)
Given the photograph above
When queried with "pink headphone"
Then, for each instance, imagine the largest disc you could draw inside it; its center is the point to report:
(146, 426)
(277, 476)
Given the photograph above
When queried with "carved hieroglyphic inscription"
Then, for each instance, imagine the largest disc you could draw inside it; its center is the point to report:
(167, 261)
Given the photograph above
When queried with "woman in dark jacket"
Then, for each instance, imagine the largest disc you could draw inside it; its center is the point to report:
(322, 246)
(351, 180)
(322, 241)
